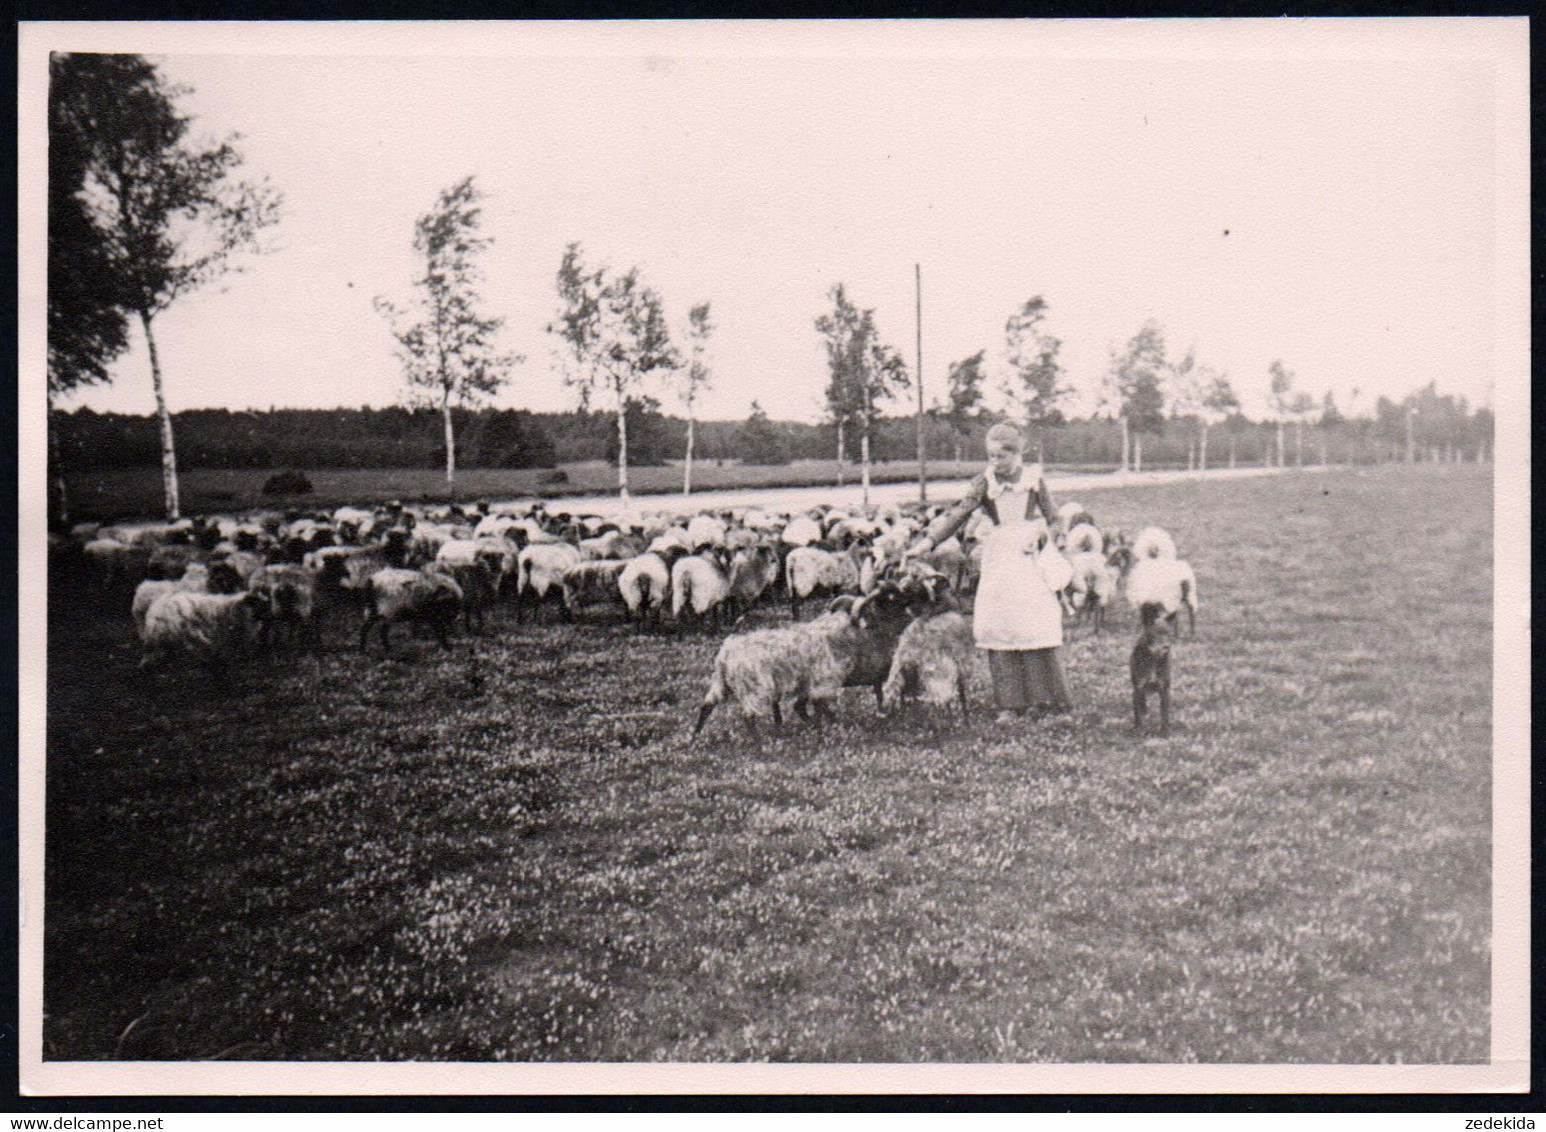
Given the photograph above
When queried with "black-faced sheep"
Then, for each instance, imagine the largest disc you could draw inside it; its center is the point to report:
(215, 630)
(298, 601)
(593, 583)
(753, 569)
(414, 596)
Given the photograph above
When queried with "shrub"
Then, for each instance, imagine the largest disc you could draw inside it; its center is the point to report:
(557, 475)
(287, 483)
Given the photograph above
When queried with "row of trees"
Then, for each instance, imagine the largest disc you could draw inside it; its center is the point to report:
(1440, 428)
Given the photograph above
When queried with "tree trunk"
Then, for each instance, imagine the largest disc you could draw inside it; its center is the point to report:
(958, 452)
(445, 412)
(59, 506)
(1281, 462)
(1126, 442)
(687, 464)
(1321, 437)
(864, 456)
(840, 452)
(1202, 450)
(1137, 453)
(1299, 444)
(168, 453)
(1411, 448)
(622, 448)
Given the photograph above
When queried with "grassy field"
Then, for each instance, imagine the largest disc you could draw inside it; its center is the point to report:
(512, 852)
(136, 493)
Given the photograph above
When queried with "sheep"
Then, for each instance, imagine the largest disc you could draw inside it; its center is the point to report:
(706, 530)
(395, 594)
(496, 554)
(298, 601)
(752, 570)
(1154, 542)
(867, 644)
(1166, 582)
(479, 583)
(1092, 587)
(588, 584)
(809, 570)
(933, 655)
(612, 545)
(540, 570)
(700, 582)
(115, 562)
(645, 582)
(152, 590)
(761, 669)
(209, 629)
(802, 530)
(1082, 539)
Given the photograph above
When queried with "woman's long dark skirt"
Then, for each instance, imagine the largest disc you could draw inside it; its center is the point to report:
(1032, 678)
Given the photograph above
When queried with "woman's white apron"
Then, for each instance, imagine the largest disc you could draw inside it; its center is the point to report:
(1017, 607)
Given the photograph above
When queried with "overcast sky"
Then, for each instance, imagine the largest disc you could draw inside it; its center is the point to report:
(1332, 209)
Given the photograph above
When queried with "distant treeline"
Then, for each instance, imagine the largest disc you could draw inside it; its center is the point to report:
(516, 438)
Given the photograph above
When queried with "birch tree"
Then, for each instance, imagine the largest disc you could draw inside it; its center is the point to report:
(445, 343)
(615, 334)
(170, 209)
(695, 379)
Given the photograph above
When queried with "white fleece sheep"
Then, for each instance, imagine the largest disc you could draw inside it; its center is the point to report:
(210, 629)
(698, 583)
(148, 592)
(1084, 539)
(809, 570)
(1154, 542)
(1166, 582)
(645, 584)
(706, 530)
(540, 570)
(1092, 587)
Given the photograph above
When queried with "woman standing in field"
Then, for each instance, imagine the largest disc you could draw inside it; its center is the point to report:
(1017, 619)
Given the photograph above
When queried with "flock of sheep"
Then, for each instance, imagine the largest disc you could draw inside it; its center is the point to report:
(210, 590)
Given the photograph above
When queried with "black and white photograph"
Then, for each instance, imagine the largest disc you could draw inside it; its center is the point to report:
(813, 556)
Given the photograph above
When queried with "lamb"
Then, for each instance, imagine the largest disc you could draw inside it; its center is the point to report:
(210, 629)
(1166, 582)
(588, 584)
(809, 570)
(497, 555)
(933, 655)
(540, 571)
(395, 594)
(701, 583)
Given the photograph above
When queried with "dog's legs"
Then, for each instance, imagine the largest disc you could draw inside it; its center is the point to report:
(1164, 698)
(1139, 706)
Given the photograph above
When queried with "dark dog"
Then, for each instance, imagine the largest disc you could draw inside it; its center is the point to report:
(1150, 664)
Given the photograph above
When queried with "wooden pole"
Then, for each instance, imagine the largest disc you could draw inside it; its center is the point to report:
(923, 478)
